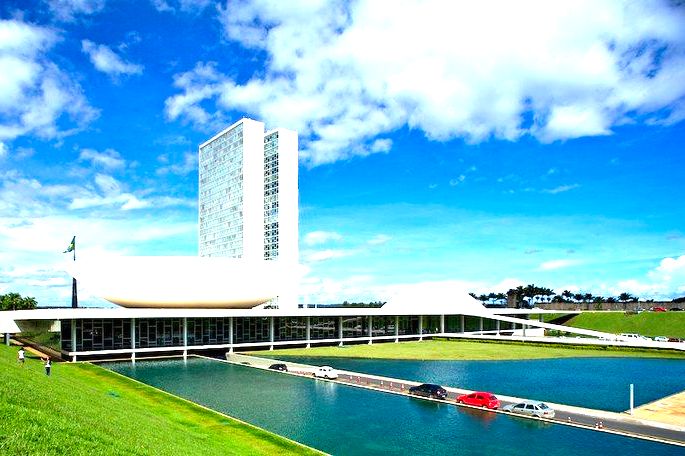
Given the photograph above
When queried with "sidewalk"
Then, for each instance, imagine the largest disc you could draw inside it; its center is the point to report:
(668, 410)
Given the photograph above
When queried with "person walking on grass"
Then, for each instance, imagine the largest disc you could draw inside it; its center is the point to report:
(48, 365)
(21, 356)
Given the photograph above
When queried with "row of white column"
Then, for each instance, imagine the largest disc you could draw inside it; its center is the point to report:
(308, 340)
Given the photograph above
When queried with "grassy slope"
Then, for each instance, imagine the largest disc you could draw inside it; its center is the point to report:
(463, 350)
(669, 324)
(85, 409)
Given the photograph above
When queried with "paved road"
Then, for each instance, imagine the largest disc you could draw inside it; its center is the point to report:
(587, 418)
(618, 423)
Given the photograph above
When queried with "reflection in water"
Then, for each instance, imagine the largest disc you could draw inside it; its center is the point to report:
(565, 381)
(479, 414)
(345, 420)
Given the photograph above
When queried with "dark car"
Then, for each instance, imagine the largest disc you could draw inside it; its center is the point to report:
(279, 367)
(675, 309)
(429, 390)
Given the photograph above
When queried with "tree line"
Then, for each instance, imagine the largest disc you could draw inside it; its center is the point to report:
(14, 301)
(533, 294)
(362, 304)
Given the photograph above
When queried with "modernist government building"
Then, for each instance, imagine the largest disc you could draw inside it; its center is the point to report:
(242, 289)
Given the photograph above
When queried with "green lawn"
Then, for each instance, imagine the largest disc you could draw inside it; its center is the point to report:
(85, 409)
(464, 350)
(669, 324)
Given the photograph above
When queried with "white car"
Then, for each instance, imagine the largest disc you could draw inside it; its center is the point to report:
(326, 372)
(635, 337)
(530, 408)
(660, 339)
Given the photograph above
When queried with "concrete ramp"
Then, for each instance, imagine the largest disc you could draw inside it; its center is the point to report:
(668, 410)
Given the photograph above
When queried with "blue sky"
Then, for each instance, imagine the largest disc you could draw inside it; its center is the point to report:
(484, 146)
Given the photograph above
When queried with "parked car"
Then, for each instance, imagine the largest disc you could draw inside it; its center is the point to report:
(279, 367)
(658, 309)
(660, 339)
(530, 408)
(479, 399)
(634, 337)
(326, 372)
(429, 390)
(674, 339)
(675, 309)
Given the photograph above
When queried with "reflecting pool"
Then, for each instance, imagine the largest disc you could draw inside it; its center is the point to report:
(600, 383)
(345, 420)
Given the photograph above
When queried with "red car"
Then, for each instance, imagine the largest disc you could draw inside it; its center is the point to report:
(479, 399)
(658, 309)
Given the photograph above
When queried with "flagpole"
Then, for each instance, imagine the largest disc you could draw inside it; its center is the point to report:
(74, 296)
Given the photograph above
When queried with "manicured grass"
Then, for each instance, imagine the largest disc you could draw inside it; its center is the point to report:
(669, 324)
(85, 409)
(465, 350)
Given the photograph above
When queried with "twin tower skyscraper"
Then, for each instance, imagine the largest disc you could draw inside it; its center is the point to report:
(248, 194)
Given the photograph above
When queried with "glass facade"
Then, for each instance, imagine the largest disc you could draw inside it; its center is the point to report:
(221, 195)
(209, 331)
(355, 327)
(471, 324)
(97, 334)
(290, 328)
(489, 324)
(408, 326)
(323, 328)
(383, 326)
(506, 325)
(271, 196)
(251, 330)
(159, 332)
(453, 323)
(431, 324)
(115, 334)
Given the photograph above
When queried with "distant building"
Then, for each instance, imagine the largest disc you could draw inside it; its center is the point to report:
(248, 193)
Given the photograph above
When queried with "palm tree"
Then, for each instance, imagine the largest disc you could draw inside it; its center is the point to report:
(625, 297)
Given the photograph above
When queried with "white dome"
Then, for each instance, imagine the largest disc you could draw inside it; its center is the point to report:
(435, 298)
(204, 282)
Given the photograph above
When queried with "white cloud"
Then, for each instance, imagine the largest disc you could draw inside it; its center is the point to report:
(188, 165)
(560, 189)
(110, 159)
(321, 237)
(186, 6)
(557, 264)
(31, 259)
(457, 181)
(110, 193)
(367, 288)
(35, 95)
(327, 254)
(348, 72)
(573, 122)
(379, 239)
(3, 150)
(67, 10)
(107, 61)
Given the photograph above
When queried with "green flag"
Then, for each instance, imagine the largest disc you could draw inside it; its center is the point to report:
(72, 246)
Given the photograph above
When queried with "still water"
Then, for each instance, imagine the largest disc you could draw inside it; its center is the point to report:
(344, 420)
(599, 383)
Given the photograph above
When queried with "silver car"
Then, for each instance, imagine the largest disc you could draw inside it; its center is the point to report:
(531, 408)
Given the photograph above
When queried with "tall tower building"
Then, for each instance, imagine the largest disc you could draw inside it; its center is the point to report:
(248, 197)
